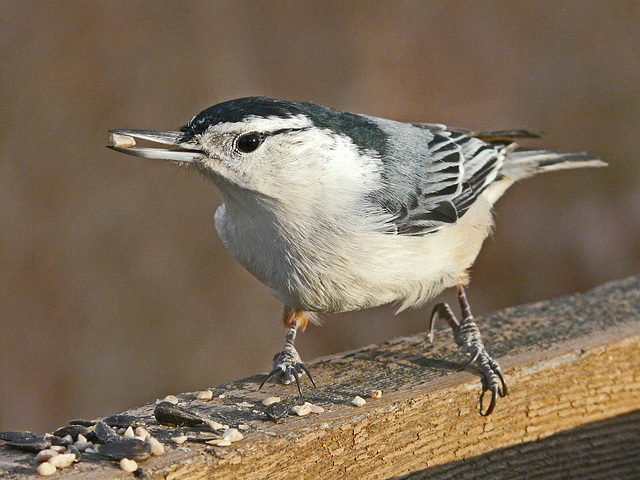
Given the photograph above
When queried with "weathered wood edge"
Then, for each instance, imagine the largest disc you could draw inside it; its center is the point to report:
(568, 362)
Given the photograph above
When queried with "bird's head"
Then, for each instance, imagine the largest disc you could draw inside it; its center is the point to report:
(273, 148)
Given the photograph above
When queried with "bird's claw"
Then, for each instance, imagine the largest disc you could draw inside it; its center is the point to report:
(467, 336)
(287, 367)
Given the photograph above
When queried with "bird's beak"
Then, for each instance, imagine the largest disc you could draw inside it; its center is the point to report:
(125, 141)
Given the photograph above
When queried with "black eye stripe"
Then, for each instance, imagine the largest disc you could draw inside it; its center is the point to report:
(287, 130)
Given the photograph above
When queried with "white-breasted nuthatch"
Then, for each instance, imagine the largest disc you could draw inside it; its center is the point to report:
(337, 211)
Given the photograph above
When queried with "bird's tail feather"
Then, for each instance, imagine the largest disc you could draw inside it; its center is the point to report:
(523, 163)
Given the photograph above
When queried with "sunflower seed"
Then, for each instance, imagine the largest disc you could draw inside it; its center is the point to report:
(213, 425)
(63, 460)
(180, 439)
(232, 435)
(128, 465)
(169, 398)
(156, 447)
(45, 455)
(104, 433)
(73, 430)
(131, 448)
(18, 436)
(82, 422)
(276, 411)
(75, 452)
(31, 445)
(45, 469)
(121, 141)
(205, 395)
(314, 408)
(219, 442)
(122, 420)
(142, 433)
(270, 400)
(301, 410)
(174, 416)
(358, 401)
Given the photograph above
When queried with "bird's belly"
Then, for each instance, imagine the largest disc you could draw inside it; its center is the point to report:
(325, 272)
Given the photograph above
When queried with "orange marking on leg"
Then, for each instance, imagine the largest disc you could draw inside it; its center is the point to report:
(292, 316)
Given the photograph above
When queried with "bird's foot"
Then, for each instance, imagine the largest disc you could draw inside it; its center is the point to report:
(467, 336)
(287, 367)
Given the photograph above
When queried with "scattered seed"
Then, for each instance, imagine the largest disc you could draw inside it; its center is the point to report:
(301, 410)
(219, 442)
(243, 427)
(121, 141)
(104, 433)
(244, 404)
(128, 433)
(156, 447)
(68, 439)
(276, 411)
(213, 425)
(82, 446)
(31, 445)
(232, 435)
(376, 394)
(58, 448)
(128, 465)
(174, 416)
(222, 395)
(180, 439)
(18, 436)
(172, 399)
(270, 400)
(358, 401)
(142, 433)
(205, 395)
(314, 408)
(53, 439)
(201, 436)
(131, 448)
(45, 455)
(73, 430)
(89, 450)
(45, 469)
(82, 443)
(80, 421)
(75, 452)
(63, 460)
(122, 420)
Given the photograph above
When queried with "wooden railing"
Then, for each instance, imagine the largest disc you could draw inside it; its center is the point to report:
(573, 409)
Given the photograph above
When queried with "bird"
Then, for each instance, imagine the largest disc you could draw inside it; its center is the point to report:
(337, 211)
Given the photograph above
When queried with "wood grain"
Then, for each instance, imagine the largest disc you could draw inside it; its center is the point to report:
(573, 410)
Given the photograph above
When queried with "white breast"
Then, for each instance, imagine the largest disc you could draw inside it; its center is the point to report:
(332, 269)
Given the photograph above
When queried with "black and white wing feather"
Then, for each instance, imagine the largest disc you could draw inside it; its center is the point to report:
(432, 182)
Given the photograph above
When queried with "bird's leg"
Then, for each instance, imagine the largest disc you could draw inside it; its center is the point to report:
(287, 365)
(467, 336)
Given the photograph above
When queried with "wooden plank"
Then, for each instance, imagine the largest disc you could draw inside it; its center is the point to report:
(574, 407)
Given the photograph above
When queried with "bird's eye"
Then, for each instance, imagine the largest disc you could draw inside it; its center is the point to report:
(249, 142)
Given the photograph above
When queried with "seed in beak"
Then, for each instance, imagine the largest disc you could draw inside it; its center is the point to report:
(122, 141)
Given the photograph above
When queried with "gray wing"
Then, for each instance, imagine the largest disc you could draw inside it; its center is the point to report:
(432, 175)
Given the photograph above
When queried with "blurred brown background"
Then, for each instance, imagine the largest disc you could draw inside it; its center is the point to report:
(115, 288)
